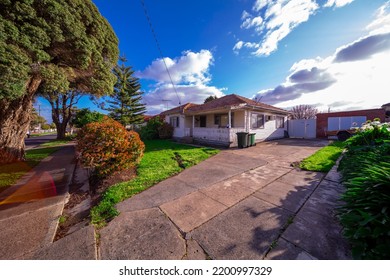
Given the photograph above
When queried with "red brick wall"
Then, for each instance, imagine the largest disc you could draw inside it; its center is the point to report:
(322, 118)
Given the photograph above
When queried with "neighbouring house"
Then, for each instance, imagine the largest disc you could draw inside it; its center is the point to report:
(386, 107)
(217, 122)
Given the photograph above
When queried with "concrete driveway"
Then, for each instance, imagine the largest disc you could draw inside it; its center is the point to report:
(240, 204)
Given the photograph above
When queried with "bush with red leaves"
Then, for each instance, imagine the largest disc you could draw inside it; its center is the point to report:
(107, 147)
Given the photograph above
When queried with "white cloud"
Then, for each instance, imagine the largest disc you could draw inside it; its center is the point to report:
(382, 22)
(190, 67)
(241, 44)
(238, 46)
(354, 77)
(163, 96)
(250, 45)
(249, 21)
(359, 85)
(190, 74)
(245, 15)
(337, 3)
(278, 19)
(275, 19)
(260, 4)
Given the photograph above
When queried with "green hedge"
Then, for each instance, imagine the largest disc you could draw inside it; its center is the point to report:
(366, 174)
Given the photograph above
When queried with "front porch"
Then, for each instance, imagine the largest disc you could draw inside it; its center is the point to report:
(218, 136)
(217, 128)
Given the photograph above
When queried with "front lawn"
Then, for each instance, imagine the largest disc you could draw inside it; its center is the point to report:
(161, 160)
(42, 134)
(58, 142)
(10, 173)
(324, 159)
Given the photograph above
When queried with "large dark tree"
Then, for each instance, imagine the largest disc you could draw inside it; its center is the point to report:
(210, 98)
(304, 112)
(62, 107)
(49, 45)
(125, 104)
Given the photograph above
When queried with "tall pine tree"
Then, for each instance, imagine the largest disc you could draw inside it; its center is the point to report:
(125, 104)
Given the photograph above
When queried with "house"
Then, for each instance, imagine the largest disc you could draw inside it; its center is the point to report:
(386, 107)
(218, 121)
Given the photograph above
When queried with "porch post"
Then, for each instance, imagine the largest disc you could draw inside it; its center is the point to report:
(246, 120)
(230, 118)
(193, 122)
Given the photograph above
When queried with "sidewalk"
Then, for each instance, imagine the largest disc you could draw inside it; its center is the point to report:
(30, 209)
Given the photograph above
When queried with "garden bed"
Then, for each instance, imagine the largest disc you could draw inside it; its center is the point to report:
(365, 170)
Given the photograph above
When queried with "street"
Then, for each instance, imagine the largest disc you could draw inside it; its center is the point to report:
(33, 142)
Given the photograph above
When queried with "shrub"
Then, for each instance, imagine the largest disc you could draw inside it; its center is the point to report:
(371, 133)
(165, 131)
(150, 130)
(107, 147)
(45, 126)
(86, 116)
(366, 174)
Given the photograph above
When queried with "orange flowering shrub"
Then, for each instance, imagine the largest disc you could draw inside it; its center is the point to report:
(107, 147)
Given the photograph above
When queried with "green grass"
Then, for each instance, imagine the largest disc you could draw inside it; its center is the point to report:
(53, 143)
(62, 219)
(158, 163)
(42, 134)
(10, 173)
(323, 160)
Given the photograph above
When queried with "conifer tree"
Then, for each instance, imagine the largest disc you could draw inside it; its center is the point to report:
(126, 104)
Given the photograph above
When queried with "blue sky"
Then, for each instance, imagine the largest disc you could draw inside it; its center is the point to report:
(329, 53)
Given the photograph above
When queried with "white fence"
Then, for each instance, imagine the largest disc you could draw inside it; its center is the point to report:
(302, 128)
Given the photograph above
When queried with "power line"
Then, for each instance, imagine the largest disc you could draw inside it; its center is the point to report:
(158, 47)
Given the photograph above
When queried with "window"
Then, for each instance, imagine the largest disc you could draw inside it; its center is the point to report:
(279, 122)
(222, 120)
(202, 120)
(257, 121)
(217, 120)
(174, 121)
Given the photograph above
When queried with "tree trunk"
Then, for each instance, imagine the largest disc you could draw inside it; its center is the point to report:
(61, 130)
(14, 124)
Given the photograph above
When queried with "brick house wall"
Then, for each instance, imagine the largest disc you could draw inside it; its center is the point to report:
(322, 118)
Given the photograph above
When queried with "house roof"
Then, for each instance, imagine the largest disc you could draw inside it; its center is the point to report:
(233, 100)
(223, 103)
(179, 109)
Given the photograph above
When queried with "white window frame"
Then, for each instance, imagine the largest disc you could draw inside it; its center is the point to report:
(259, 118)
(279, 122)
(174, 121)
